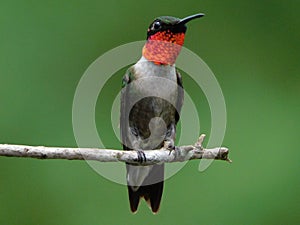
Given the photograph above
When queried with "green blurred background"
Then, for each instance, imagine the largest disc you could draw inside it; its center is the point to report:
(253, 49)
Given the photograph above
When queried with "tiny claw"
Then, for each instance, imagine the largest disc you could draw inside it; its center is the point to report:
(172, 149)
(169, 144)
(141, 157)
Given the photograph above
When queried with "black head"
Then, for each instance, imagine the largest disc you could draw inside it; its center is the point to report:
(173, 24)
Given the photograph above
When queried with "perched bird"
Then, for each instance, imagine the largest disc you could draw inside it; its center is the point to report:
(151, 100)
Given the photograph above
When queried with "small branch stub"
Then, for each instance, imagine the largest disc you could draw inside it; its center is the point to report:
(163, 155)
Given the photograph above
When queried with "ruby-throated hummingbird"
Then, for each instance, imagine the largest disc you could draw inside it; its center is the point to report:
(151, 100)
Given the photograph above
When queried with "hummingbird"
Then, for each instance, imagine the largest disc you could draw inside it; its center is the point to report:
(151, 100)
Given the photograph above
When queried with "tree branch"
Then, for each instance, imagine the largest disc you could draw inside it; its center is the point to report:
(149, 157)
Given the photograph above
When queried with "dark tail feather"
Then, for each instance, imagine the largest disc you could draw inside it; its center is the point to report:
(152, 193)
(134, 199)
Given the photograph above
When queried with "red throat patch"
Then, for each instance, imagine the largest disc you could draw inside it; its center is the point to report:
(163, 47)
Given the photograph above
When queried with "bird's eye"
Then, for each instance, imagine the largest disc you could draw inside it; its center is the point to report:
(156, 25)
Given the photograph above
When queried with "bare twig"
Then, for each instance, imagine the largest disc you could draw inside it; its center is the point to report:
(163, 155)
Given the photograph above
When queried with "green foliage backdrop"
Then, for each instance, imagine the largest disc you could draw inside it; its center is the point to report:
(253, 49)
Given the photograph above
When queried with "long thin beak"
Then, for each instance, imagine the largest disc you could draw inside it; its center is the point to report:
(189, 18)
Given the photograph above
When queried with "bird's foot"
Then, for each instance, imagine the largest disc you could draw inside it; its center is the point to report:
(141, 157)
(170, 145)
